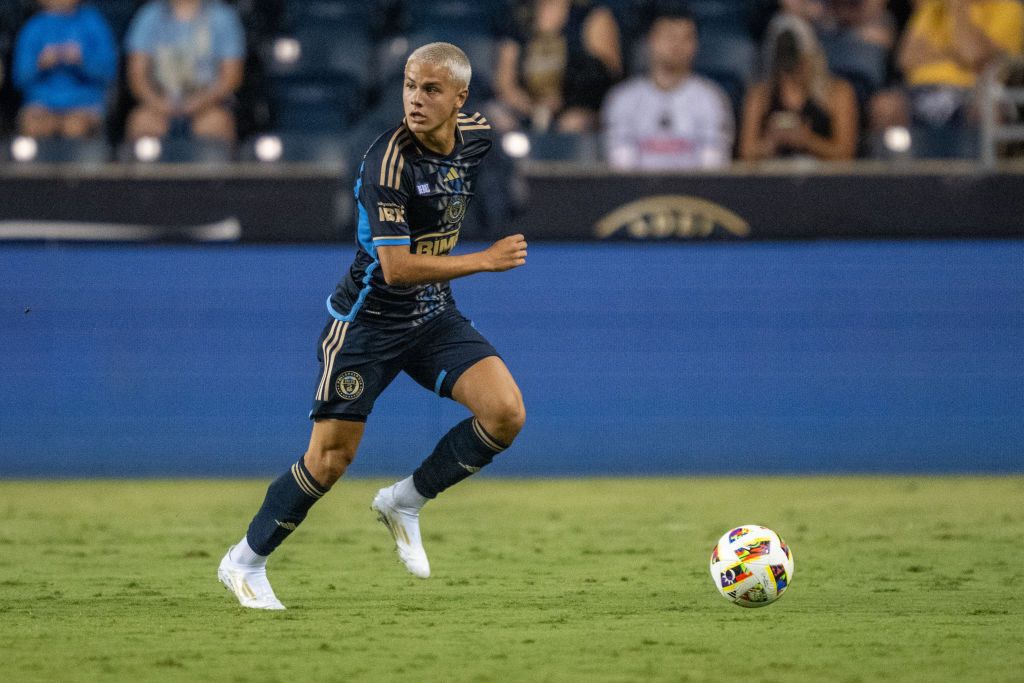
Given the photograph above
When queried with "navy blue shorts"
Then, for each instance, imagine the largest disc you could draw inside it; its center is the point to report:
(357, 361)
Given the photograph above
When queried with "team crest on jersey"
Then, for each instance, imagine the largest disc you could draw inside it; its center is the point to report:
(349, 385)
(456, 209)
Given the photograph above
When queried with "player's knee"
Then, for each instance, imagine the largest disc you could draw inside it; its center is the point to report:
(507, 419)
(328, 464)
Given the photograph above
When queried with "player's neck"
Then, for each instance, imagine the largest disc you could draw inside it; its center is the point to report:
(441, 140)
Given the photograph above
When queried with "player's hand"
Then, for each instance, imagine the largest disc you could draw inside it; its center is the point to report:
(506, 254)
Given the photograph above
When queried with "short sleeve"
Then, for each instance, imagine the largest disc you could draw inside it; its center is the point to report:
(382, 209)
(230, 35)
(142, 32)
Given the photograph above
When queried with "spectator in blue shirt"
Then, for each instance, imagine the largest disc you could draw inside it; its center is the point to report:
(65, 61)
(185, 62)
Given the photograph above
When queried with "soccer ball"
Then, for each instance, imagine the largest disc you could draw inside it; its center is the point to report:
(751, 566)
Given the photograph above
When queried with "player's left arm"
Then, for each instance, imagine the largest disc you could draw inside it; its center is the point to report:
(402, 268)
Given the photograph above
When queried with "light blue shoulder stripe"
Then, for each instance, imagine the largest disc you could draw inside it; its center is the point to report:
(391, 241)
(439, 382)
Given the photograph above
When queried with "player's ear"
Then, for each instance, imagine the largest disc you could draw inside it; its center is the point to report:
(462, 97)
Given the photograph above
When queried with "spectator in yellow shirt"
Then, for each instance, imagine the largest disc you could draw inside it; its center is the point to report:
(946, 46)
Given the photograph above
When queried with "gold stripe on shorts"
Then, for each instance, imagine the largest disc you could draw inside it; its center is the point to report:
(330, 366)
(327, 349)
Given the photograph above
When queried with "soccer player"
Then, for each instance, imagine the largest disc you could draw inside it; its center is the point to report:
(394, 311)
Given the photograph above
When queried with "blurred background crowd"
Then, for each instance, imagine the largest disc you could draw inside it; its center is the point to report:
(639, 84)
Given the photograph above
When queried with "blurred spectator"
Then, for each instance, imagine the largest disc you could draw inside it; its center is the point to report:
(947, 45)
(65, 61)
(556, 62)
(866, 21)
(673, 118)
(185, 63)
(800, 108)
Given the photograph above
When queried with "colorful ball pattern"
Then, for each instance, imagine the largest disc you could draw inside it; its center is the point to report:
(751, 566)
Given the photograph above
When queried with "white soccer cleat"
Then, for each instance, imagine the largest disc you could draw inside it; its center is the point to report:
(249, 584)
(404, 525)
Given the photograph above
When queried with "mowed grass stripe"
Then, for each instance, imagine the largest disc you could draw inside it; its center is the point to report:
(903, 578)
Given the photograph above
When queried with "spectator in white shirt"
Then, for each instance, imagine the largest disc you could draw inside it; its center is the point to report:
(671, 119)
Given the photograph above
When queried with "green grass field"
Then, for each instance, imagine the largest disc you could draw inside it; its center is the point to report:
(537, 580)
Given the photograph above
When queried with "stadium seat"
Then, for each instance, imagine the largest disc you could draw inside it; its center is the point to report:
(862, 64)
(118, 13)
(452, 16)
(728, 58)
(182, 150)
(719, 15)
(320, 52)
(341, 16)
(60, 150)
(954, 142)
(314, 103)
(931, 143)
(299, 147)
(579, 147)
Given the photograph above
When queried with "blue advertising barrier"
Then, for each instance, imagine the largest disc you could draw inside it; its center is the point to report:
(634, 359)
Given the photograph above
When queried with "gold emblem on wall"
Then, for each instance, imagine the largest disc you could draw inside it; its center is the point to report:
(670, 215)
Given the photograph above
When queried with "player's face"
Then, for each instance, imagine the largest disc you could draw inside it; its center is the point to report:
(431, 97)
(673, 44)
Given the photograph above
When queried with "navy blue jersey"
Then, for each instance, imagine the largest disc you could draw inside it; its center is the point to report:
(408, 195)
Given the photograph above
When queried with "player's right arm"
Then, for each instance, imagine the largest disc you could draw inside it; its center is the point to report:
(385, 186)
(402, 268)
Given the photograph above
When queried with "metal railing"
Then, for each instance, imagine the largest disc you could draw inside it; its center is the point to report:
(1000, 98)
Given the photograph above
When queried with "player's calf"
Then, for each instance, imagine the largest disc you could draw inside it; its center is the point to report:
(287, 502)
(463, 451)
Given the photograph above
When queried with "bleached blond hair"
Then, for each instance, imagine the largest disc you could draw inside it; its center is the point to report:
(447, 56)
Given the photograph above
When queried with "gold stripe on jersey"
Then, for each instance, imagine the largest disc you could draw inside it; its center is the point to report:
(475, 122)
(435, 234)
(397, 180)
(391, 149)
(393, 177)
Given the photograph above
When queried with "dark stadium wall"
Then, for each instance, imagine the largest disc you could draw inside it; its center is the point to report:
(735, 358)
(290, 204)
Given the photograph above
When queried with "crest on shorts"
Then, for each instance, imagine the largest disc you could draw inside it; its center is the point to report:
(456, 209)
(349, 385)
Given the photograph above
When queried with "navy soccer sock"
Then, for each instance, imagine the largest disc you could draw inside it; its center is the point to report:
(461, 452)
(288, 500)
